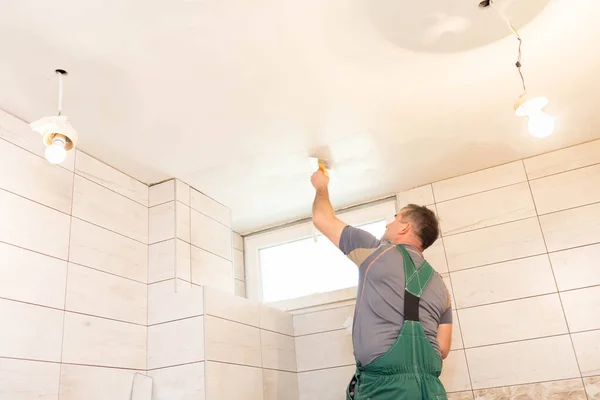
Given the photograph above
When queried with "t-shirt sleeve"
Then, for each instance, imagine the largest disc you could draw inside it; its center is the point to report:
(353, 238)
(446, 316)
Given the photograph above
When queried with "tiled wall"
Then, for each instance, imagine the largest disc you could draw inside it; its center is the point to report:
(73, 270)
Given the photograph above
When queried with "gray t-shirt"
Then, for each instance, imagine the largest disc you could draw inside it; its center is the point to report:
(379, 312)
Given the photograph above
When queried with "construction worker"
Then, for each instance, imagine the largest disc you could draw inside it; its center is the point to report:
(403, 318)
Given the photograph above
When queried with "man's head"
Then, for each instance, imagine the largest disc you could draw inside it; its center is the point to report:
(414, 225)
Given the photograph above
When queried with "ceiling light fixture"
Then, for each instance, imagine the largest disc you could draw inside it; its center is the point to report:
(58, 135)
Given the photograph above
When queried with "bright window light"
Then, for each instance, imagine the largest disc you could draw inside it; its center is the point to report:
(303, 267)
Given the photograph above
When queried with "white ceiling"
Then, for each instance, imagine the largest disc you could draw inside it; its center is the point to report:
(232, 96)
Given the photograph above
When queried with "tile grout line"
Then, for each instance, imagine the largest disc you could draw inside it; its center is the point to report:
(106, 272)
(109, 189)
(69, 363)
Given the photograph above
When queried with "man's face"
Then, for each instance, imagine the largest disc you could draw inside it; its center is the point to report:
(396, 229)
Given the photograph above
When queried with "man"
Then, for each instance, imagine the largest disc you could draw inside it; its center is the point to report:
(403, 319)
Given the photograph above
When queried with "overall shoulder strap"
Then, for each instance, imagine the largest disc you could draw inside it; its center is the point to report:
(416, 282)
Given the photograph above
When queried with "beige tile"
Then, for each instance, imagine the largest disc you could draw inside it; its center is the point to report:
(504, 281)
(238, 265)
(104, 295)
(436, 256)
(35, 178)
(455, 375)
(182, 192)
(211, 270)
(276, 320)
(563, 160)
(29, 331)
(211, 235)
(421, 196)
(571, 389)
(448, 283)
(30, 225)
(102, 249)
(592, 387)
(468, 395)
(219, 377)
(184, 382)
(567, 190)
(232, 342)
(325, 384)
(142, 387)
(280, 385)
(168, 301)
(211, 208)
(480, 181)
(225, 305)
(238, 241)
(481, 210)
(182, 221)
(240, 288)
(495, 244)
(27, 380)
(162, 193)
(161, 261)
(587, 349)
(457, 341)
(32, 277)
(324, 350)
(111, 178)
(576, 268)
(322, 321)
(522, 362)
(100, 206)
(95, 383)
(175, 343)
(581, 308)
(161, 223)
(101, 342)
(183, 260)
(571, 228)
(278, 351)
(513, 320)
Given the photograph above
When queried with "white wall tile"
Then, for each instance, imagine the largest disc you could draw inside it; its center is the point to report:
(211, 270)
(162, 193)
(563, 160)
(210, 235)
(280, 385)
(110, 178)
(225, 305)
(29, 331)
(456, 340)
(34, 178)
(581, 308)
(571, 228)
(455, 375)
(95, 383)
(27, 380)
(522, 362)
(421, 196)
(276, 320)
(102, 342)
(183, 382)
(182, 192)
(576, 268)
(324, 350)
(33, 226)
(325, 384)
(167, 304)
(504, 281)
(448, 283)
(32, 277)
(105, 295)
(278, 351)
(436, 256)
(211, 208)
(240, 288)
(495, 244)
(587, 349)
(219, 377)
(480, 181)
(102, 249)
(142, 387)
(592, 387)
(182, 221)
(567, 190)
(183, 260)
(513, 320)
(322, 321)
(238, 265)
(161, 261)
(161, 222)
(175, 343)
(238, 241)
(100, 206)
(490, 208)
(232, 342)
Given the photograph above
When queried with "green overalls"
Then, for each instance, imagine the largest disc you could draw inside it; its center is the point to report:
(410, 369)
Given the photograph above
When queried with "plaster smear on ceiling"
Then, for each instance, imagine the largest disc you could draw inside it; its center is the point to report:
(232, 96)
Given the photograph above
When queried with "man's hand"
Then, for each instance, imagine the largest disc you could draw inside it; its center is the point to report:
(319, 180)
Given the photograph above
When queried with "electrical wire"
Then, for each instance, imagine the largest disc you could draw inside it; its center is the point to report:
(60, 92)
(516, 33)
